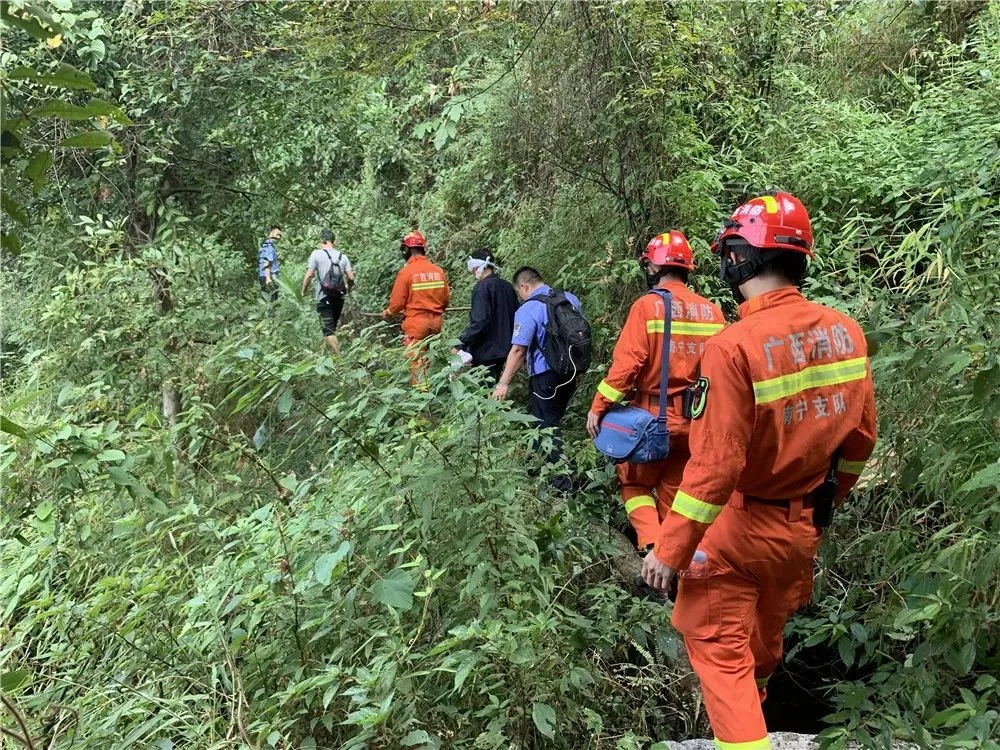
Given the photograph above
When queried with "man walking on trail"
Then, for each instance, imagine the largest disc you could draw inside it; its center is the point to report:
(491, 318)
(421, 294)
(334, 278)
(268, 265)
(783, 426)
(550, 390)
(635, 376)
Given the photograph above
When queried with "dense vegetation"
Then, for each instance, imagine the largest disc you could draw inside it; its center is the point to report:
(213, 535)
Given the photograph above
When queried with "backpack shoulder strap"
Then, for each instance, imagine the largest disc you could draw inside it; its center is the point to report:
(667, 298)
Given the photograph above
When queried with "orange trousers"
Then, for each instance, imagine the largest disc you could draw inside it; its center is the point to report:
(639, 483)
(752, 570)
(416, 327)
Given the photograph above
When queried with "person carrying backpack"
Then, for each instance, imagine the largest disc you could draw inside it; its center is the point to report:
(648, 489)
(334, 278)
(552, 336)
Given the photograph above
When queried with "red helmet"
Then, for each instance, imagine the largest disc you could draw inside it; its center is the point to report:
(770, 222)
(669, 249)
(414, 239)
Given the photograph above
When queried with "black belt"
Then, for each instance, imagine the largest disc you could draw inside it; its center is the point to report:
(807, 501)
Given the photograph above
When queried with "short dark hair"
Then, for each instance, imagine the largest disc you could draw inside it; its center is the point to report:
(274, 226)
(680, 273)
(789, 265)
(527, 275)
(327, 235)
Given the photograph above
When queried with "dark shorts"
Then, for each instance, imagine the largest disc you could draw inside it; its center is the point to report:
(329, 309)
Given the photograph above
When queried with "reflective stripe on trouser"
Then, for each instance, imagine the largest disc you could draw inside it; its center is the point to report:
(640, 482)
(761, 744)
(732, 609)
(416, 327)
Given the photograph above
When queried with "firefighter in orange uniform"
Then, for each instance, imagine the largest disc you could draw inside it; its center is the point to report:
(783, 428)
(635, 376)
(421, 294)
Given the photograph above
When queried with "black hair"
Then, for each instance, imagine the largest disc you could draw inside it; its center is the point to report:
(789, 265)
(485, 253)
(274, 226)
(527, 275)
(327, 235)
(676, 271)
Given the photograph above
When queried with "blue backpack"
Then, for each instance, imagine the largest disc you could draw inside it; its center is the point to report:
(632, 434)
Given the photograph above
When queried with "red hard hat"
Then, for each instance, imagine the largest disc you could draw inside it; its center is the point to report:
(414, 239)
(669, 249)
(770, 222)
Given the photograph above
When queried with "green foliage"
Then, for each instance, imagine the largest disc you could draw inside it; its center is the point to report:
(312, 552)
(373, 602)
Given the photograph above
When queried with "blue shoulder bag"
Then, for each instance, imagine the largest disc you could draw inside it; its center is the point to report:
(632, 434)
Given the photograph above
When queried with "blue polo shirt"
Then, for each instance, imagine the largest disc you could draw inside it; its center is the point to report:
(268, 258)
(529, 328)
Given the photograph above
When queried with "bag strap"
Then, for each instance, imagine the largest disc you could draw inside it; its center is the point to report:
(665, 355)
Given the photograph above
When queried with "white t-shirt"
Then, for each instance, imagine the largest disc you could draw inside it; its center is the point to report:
(320, 262)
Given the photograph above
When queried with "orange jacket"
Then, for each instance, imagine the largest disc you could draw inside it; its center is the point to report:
(635, 365)
(420, 288)
(789, 384)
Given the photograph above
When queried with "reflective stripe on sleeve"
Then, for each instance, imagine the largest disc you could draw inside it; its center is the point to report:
(428, 285)
(851, 467)
(684, 328)
(611, 394)
(695, 509)
(764, 744)
(833, 373)
(641, 501)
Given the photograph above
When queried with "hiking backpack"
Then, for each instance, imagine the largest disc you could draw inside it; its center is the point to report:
(333, 281)
(567, 336)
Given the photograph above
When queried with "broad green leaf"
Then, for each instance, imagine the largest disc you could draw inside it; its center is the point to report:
(11, 681)
(94, 108)
(417, 737)
(395, 590)
(326, 563)
(11, 428)
(988, 477)
(38, 168)
(31, 19)
(111, 455)
(12, 208)
(544, 717)
(285, 401)
(10, 242)
(90, 139)
(64, 77)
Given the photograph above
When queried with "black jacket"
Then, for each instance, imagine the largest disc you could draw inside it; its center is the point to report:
(491, 320)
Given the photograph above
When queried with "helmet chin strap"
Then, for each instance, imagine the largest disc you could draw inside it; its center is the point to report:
(736, 274)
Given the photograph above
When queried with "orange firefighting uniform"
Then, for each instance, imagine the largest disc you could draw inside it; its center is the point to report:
(421, 293)
(635, 376)
(788, 385)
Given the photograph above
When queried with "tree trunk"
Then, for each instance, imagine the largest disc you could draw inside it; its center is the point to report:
(171, 401)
